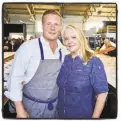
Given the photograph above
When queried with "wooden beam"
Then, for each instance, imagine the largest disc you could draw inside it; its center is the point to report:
(6, 17)
(92, 8)
(62, 10)
(29, 8)
(6, 21)
(111, 16)
(33, 9)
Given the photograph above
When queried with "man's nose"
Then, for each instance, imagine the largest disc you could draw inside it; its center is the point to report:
(52, 27)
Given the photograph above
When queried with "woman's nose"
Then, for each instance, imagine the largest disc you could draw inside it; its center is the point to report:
(69, 41)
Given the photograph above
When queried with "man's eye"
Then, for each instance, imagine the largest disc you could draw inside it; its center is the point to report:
(65, 38)
(74, 37)
(56, 24)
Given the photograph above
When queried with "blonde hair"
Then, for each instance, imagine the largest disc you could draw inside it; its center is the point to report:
(85, 52)
(51, 12)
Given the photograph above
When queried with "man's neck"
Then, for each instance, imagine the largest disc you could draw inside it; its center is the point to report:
(53, 45)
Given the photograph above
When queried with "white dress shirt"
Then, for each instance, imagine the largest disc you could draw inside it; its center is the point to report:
(25, 64)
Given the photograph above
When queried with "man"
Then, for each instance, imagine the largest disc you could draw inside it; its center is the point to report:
(35, 69)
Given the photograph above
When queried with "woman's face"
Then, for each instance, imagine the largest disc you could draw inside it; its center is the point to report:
(71, 41)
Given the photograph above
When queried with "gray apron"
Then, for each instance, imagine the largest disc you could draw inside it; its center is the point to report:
(40, 93)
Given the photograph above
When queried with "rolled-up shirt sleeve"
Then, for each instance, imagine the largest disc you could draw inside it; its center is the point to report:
(99, 79)
(19, 68)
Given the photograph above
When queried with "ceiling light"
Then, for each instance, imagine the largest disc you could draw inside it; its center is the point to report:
(31, 19)
(21, 21)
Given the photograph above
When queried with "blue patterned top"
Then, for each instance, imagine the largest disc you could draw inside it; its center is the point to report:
(78, 84)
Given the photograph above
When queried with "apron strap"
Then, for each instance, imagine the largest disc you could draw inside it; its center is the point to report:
(42, 52)
(41, 49)
(50, 103)
(60, 55)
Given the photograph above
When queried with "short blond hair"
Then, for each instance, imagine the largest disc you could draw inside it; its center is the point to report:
(51, 12)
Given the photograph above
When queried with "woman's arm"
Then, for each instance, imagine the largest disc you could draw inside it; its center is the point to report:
(105, 51)
(100, 102)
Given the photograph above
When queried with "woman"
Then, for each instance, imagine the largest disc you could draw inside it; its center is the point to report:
(82, 81)
(108, 48)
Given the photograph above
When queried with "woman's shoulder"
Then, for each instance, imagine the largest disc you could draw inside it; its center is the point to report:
(95, 59)
(96, 62)
(67, 57)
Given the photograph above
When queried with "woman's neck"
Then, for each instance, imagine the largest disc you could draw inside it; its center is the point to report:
(75, 54)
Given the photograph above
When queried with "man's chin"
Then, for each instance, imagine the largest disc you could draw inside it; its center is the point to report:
(52, 38)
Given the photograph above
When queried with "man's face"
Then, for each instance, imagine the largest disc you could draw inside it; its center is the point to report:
(52, 26)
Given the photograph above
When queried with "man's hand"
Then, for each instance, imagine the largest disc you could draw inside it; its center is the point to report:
(21, 112)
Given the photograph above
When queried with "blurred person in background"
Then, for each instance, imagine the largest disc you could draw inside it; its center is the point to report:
(108, 48)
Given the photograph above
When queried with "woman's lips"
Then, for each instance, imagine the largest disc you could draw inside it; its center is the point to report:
(71, 46)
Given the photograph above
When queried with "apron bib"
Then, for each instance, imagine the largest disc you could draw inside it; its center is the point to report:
(40, 93)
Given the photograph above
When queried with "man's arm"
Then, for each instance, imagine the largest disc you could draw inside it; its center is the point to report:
(21, 112)
(100, 102)
(19, 67)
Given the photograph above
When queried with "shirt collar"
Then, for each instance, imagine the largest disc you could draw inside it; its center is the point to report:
(60, 46)
(76, 59)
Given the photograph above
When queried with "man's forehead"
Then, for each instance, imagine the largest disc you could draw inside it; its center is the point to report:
(50, 17)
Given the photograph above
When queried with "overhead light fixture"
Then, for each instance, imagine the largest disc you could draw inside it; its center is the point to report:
(31, 19)
(21, 21)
